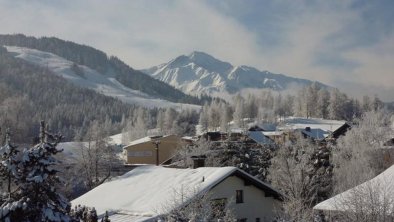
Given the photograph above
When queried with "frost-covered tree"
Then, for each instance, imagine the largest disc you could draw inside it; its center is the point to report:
(160, 121)
(184, 123)
(323, 97)
(302, 175)
(239, 111)
(251, 108)
(200, 208)
(204, 119)
(169, 118)
(9, 171)
(140, 127)
(358, 155)
(214, 113)
(224, 117)
(335, 108)
(366, 104)
(37, 198)
(97, 157)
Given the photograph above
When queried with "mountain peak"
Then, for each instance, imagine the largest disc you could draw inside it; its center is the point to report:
(196, 55)
(200, 72)
(209, 62)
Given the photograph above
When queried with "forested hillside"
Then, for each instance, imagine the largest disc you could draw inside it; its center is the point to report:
(101, 62)
(29, 94)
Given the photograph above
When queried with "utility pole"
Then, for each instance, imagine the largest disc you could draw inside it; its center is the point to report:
(156, 143)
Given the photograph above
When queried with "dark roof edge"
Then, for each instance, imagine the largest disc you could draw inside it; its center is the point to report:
(259, 184)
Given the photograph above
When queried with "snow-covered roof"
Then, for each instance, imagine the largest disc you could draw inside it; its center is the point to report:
(149, 191)
(147, 139)
(273, 133)
(315, 133)
(115, 139)
(313, 123)
(381, 185)
(260, 138)
(191, 138)
(237, 130)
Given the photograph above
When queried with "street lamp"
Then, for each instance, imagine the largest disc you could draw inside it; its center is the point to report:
(156, 143)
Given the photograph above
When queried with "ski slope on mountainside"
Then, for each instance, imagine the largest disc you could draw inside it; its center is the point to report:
(104, 84)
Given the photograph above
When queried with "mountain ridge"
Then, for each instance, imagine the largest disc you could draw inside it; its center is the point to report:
(102, 63)
(198, 73)
(85, 77)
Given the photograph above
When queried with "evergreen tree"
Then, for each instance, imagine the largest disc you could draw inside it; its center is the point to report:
(9, 173)
(36, 198)
(8, 165)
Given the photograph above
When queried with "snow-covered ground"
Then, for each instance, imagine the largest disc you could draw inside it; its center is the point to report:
(72, 150)
(104, 84)
(292, 123)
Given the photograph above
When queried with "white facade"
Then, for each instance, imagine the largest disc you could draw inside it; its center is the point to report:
(255, 203)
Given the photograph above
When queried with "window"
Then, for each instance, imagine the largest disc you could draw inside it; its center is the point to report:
(258, 219)
(242, 220)
(239, 197)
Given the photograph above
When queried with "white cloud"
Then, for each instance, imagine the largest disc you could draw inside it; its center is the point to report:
(140, 32)
(376, 63)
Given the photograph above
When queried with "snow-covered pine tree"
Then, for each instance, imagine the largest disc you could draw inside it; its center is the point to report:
(38, 195)
(8, 164)
(9, 172)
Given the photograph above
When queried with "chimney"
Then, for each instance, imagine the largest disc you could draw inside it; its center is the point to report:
(198, 161)
(308, 129)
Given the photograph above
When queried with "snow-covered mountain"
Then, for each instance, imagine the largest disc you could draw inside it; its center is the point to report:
(86, 77)
(202, 73)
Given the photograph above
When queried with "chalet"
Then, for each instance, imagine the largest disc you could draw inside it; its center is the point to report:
(149, 192)
(315, 128)
(152, 149)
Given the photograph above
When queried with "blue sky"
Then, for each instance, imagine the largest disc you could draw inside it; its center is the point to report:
(346, 43)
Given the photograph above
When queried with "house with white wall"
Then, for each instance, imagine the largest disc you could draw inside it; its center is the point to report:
(148, 192)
